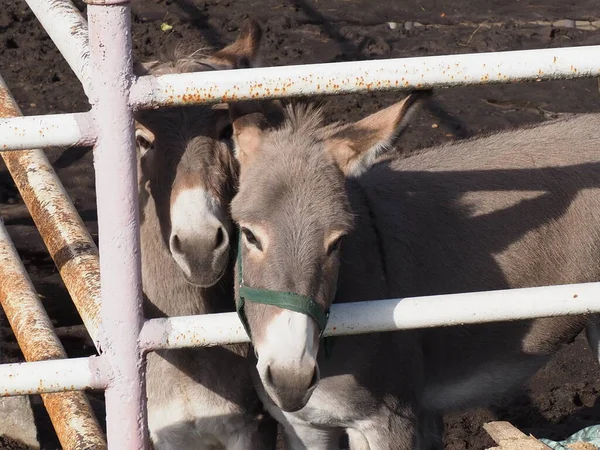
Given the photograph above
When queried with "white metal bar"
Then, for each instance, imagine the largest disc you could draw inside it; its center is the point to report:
(57, 375)
(362, 76)
(390, 315)
(68, 30)
(115, 163)
(205, 330)
(346, 318)
(56, 130)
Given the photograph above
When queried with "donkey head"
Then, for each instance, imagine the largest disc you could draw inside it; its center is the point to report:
(187, 167)
(293, 211)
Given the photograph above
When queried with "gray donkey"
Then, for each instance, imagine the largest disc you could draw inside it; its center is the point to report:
(197, 398)
(510, 210)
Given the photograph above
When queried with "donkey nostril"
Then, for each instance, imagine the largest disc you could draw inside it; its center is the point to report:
(175, 244)
(220, 237)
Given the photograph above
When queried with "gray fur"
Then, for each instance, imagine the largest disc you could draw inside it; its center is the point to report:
(199, 398)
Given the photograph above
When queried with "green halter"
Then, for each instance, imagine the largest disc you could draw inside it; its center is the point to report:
(286, 300)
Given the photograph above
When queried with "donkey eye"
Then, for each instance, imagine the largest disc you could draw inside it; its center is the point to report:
(251, 239)
(335, 245)
(143, 143)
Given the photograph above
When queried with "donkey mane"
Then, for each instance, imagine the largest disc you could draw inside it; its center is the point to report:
(308, 117)
(180, 58)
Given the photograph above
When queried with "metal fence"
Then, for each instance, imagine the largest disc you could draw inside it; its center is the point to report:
(106, 286)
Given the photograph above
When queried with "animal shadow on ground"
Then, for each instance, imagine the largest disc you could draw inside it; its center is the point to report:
(350, 51)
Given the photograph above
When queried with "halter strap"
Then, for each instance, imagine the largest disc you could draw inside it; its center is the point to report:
(285, 300)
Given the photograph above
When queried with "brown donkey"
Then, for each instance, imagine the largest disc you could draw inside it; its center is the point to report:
(514, 209)
(197, 398)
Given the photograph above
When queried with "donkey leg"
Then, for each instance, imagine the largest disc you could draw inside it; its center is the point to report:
(357, 440)
(592, 332)
(306, 437)
(431, 431)
(261, 437)
(392, 431)
(190, 441)
(266, 435)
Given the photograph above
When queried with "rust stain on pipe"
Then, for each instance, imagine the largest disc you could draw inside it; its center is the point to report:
(70, 412)
(68, 241)
(76, 256)
(76, 427)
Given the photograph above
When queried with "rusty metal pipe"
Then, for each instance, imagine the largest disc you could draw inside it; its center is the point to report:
(70, 412)
(365, 76)
(69, 243)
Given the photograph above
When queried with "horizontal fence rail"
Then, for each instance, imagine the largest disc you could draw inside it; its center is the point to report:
(364, 76)
(358, 318)
(314, 79)
(390, 315)
(57, 375)
(56, 130)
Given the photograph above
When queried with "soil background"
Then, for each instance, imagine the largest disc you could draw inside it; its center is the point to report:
(564, 396)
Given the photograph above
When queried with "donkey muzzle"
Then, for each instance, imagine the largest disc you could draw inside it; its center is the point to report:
(290, 388)
(287, 359)
(201, 256)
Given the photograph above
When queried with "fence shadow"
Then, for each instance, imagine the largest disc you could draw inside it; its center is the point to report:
(350, 50)
(70, 156)
(200, 20)
(353, 52)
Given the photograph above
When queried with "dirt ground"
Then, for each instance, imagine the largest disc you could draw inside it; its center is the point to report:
(564, 397)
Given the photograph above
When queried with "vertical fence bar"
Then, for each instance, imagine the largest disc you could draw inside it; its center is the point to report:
(118, 223)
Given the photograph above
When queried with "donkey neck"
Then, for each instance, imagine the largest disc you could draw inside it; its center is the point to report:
(362, 253)
(166, 291)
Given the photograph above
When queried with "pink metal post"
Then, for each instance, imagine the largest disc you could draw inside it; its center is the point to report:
(117, 200)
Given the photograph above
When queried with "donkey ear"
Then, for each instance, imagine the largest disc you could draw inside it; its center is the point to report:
(243, 52)
(356, 146)
(249, 123)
